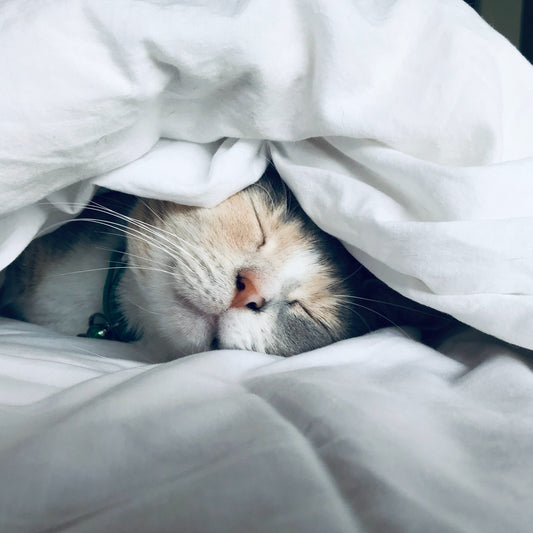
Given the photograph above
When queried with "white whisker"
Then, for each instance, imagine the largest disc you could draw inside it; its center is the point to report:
(385, 317)
(125, 267)
(349, 276)
(392, 304)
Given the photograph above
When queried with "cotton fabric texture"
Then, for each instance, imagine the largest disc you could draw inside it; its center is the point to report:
(405, 128)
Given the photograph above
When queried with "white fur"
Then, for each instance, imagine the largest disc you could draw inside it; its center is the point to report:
(245, 330)
(298, 266)
(66, 299)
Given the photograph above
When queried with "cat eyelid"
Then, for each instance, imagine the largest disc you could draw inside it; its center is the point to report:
(293, 303)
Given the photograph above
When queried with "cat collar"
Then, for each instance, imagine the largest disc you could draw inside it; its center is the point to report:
(110, 324)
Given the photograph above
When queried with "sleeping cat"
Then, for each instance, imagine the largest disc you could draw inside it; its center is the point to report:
(252, 273)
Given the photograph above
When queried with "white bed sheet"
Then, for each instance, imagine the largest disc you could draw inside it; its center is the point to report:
(404, 128)
(378, 433)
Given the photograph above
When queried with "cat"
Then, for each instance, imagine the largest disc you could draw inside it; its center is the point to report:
(253, 273)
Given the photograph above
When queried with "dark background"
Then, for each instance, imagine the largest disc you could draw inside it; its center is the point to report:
(473, 3)
(526, 34)
(525, 43)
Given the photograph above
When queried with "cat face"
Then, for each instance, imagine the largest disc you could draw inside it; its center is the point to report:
(251, 273)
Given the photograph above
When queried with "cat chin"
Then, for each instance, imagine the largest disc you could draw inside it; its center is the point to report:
(244, 329)
(183, 332)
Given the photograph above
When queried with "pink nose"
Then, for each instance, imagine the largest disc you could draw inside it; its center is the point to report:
(247, 293)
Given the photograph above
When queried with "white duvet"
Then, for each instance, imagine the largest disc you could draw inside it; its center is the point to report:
(405, 128)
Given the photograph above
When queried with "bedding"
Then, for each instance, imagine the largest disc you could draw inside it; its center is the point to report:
(405, 129)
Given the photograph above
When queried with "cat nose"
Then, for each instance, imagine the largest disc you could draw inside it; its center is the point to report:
(247, 293)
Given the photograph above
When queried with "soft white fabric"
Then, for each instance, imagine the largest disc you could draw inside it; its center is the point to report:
(378, 433)
(420, 114)
(405, 127)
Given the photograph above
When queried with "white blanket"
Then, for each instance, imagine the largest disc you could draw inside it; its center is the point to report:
(378, 433)
(405, 128)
